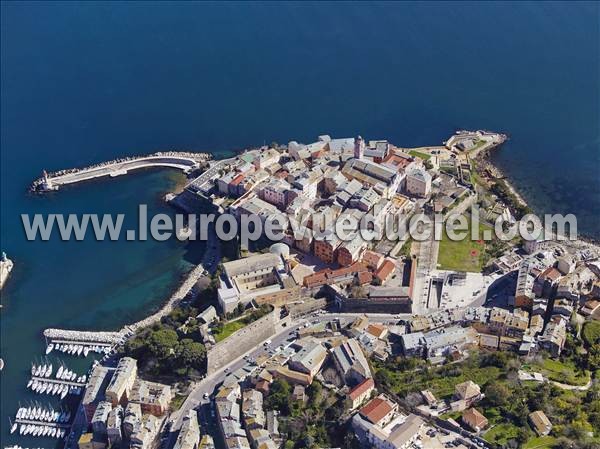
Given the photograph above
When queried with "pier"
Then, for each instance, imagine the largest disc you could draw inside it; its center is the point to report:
(42, 423)
(50, 380)
(184, 161)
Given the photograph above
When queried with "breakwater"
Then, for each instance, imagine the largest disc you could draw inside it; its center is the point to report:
(184, 161)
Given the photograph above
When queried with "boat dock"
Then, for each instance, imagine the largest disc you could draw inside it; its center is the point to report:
(42, 423)
(50, 380)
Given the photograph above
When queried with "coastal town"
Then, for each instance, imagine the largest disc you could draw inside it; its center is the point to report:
(315, 341)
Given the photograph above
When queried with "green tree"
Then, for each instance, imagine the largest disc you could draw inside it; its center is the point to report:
(279, 397)
(190, 354)
(162, 343)
(497, 393)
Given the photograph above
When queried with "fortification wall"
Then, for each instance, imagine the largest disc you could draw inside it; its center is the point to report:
(242, 341)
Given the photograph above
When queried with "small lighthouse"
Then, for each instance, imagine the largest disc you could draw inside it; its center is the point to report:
(47, 182)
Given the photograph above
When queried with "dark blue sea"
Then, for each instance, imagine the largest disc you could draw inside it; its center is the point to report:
(87, 82)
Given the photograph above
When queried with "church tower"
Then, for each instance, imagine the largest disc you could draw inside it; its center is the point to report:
(359, 147)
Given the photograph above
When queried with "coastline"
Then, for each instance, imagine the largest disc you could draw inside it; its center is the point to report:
(481, 154)
(485, 157)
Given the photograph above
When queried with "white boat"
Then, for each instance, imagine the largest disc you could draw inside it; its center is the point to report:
(44, 388)
(13, 426)
(86, 351)
(73, 376)
(49, 348)
(60, 371)
(33, 368)
(49, 371)
(55, 388)
(64, 393)
(21, 429)
(79, 350)
(29, 383)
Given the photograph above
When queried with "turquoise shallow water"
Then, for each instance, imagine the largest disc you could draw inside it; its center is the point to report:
(86, 82)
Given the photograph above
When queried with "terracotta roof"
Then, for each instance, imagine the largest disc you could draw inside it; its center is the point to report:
(361, 388)
(372, 258)
(474, 419)
(237, 180)
(397, 161)
(551, 273)
(376, 410)
(385, 270)
(376, 329)
(364, 277)
(329, 276)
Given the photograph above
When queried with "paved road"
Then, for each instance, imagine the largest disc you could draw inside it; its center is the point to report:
(207, 386)
(427, 255)
(196, 399)
(209, 174)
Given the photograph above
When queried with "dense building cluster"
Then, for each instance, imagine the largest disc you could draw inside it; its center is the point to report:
(122, 409)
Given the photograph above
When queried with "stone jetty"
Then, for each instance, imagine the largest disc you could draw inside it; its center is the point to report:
(185, 161)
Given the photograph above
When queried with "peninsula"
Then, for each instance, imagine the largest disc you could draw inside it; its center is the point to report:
(316, 341)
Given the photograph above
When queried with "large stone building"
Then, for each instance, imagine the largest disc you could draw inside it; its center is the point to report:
(154, 398)
(189, 435)
(121, 384)
(418, 182)
(256, 277)
(351, 362)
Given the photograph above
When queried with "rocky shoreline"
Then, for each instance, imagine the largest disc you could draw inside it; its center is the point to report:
(484, 163)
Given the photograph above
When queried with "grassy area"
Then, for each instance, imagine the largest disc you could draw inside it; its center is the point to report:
(177, 401)
(501, 433)
(440, 381)
(223, 330)
(227, 329)
(418, 154)
(564, 372)
(546, 442)
(591, 332)
(454, 415)
(462, 255)
(477, 146)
